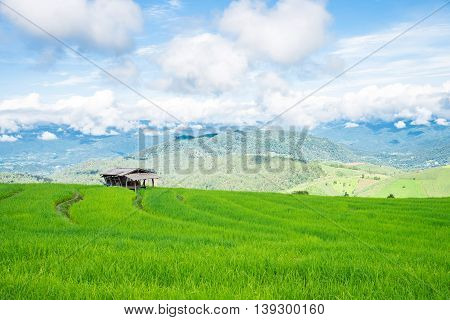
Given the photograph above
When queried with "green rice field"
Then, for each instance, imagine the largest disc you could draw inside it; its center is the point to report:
(93, 242)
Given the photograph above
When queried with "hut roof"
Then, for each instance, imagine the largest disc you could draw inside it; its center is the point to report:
(141, 176)
(124, 171)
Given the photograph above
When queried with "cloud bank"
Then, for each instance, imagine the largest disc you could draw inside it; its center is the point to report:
(103, 112)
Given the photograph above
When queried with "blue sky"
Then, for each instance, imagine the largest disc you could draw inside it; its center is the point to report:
(221, 62)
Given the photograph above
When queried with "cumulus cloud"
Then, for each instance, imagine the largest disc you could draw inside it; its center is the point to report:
(249, 31)
(47, 136)
(100, 24)
(351, 125)
(441, 122)
(7, 138)
(400, 124)
(284, 33)
(206, 62)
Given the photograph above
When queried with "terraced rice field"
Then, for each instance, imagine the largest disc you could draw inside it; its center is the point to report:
(79, 242)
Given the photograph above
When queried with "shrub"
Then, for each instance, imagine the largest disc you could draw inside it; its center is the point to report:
(303, 192)
(391, 196)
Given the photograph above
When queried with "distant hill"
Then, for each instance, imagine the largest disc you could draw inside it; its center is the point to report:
(8, 177)
(412, 147)
(434, 182)
(378, 181)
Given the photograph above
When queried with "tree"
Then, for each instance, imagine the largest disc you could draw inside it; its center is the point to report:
(303, 192)
(391, 196)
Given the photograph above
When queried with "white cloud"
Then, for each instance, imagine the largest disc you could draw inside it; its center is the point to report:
(423, 116)
(206, 62)
(351, 125)
(400, 124)
(47, 136)
(94, 115)
(152, 132)
(285, 33)
(418, 103)
(7, 138)
(215, 63)
(175, 3)
(101, 24)
(441, 122)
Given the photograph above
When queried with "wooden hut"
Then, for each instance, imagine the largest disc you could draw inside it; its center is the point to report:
(131, 178)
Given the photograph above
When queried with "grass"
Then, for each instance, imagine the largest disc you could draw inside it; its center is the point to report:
(366, 180)
(193, 244)
(433, 182)
(352, 179)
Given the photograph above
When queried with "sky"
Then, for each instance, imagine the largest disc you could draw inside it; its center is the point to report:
(225, 62)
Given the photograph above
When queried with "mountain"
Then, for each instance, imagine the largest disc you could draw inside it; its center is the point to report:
(232, 160)
(411, 147)
(270, 160)
(31, 155)
(289, 144)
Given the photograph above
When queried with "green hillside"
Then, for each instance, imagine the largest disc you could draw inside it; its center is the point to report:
(340, 178)
(92, 242)
(367, 180)
(433, 182)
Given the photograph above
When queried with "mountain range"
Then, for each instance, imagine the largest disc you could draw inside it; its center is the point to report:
(340, 161)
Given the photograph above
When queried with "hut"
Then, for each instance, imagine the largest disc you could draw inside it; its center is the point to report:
(131, 178)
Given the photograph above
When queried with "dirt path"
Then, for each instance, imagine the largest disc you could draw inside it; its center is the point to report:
(9, 195)
(64, 207)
